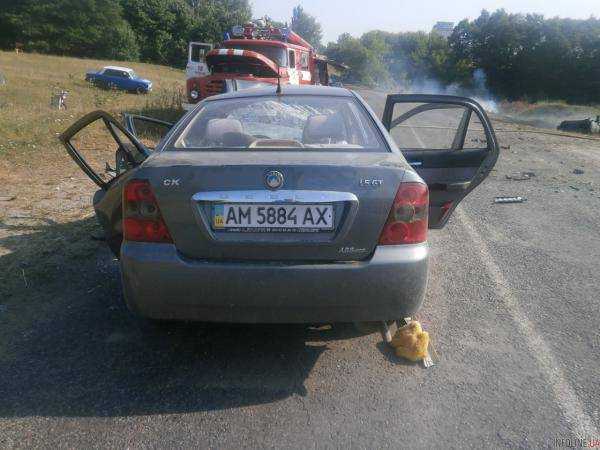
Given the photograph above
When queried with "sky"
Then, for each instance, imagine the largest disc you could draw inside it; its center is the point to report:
(359, 16)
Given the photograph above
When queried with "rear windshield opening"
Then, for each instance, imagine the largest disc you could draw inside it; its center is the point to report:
(294, 121)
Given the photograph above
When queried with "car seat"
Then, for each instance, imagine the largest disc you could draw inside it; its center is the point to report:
(227, 133)
(324, 129)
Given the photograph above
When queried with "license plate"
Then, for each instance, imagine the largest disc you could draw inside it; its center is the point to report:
(272, 218)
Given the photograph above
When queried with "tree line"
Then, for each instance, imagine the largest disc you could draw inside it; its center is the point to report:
(520, 56)
(155, 31)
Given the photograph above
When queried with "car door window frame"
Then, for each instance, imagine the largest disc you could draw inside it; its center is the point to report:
(461, 129)
(109, 122)
(469, 104)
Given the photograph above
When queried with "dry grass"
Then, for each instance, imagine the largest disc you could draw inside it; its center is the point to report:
(29, 148)
(555, 108)
(29, 126)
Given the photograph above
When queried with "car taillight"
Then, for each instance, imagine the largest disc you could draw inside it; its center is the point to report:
(407, 221)
(142, 220)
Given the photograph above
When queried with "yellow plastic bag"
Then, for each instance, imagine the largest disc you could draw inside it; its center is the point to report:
(411, 342)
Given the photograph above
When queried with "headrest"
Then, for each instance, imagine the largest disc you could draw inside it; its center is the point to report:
(323, 127)
(217, 128)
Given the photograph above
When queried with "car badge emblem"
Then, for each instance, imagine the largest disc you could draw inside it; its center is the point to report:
(274, 179)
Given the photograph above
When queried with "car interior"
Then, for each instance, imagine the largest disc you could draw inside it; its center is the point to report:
(320, 130)
(268, 123)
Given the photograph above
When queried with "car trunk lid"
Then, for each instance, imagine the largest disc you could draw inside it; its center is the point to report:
(358, 189)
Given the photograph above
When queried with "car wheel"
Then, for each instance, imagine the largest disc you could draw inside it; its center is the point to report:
(140, 90)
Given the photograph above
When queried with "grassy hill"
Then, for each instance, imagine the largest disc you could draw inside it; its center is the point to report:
(29, 126)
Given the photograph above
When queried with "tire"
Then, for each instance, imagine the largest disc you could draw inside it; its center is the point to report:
(140, 90)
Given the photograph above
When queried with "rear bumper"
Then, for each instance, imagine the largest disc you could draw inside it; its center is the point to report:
(159, 283)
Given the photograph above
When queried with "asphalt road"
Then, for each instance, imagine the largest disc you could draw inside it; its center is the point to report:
(512, 307)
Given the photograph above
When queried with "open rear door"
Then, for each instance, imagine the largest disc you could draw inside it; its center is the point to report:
(448, 140)
(96, 141)
(105, 150)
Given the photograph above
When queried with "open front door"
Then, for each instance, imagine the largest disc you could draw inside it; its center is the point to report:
(102, 147)
(448, 140)
(196, 66)
(148, 130)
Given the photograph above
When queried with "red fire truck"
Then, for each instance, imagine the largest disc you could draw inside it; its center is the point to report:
(252, 55)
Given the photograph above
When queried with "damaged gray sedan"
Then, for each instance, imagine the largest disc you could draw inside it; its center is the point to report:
(292, 206)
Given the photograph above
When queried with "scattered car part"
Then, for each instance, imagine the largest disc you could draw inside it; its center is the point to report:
(585, 126)
(520, 176)
(510, 199)
(386, 333)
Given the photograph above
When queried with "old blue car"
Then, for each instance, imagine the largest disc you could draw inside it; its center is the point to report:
(114, 77)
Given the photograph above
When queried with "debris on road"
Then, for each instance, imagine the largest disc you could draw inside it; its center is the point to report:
(575, 188)
(520, 176)
(411, 342)
(510, 200)
(586, 126)
(7, 198)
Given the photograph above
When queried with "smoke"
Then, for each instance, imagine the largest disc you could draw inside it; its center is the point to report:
(478, 90)
(482, 93)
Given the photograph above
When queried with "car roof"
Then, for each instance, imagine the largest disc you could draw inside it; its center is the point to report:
(285, 90)
(125, 69)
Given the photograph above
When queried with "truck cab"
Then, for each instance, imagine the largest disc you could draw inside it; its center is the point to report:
(253, 55)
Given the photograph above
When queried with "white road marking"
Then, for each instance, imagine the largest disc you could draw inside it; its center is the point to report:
(581, 424)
